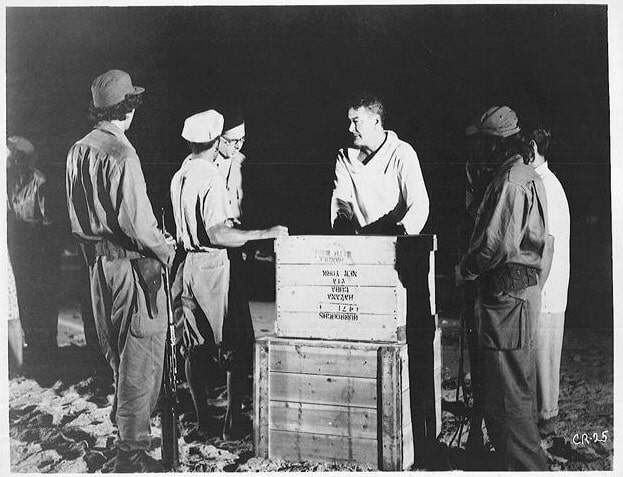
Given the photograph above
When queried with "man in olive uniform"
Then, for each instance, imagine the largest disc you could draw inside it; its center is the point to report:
(509, 255)
(113, 220)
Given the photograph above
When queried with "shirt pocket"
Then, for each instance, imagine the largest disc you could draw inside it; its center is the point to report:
(502, 323)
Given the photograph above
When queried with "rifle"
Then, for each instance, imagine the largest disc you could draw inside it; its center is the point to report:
(169, 421)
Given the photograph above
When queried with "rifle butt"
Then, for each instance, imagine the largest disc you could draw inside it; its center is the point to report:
(170, 436)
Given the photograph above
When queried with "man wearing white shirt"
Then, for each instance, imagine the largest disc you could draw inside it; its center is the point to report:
(550, 325)
(379, 188)
(204, 227)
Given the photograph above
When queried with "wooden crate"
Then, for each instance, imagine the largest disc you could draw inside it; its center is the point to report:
(333, 401)
(350, 287)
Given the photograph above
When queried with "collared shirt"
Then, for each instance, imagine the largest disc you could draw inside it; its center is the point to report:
(231, 170)
(27, 199)
(391, 181)
(554, 295)
(199, 200)
(107, 194)
(510, 223)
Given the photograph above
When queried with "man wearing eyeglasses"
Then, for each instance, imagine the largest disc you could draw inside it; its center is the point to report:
(204, 229)
(229, 160)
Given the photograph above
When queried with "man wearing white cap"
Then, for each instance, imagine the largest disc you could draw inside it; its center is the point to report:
(204, 225)
(112, 218)
(509, 255)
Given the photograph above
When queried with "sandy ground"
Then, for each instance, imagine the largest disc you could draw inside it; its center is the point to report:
(59, 420)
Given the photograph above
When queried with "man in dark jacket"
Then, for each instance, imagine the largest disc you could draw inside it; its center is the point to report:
(509, 256)
(112, 218)
(33, 249)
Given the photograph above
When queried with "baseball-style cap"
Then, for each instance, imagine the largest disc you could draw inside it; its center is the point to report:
(497, 121)
(203, 127)
(112, 87)
(18, 143)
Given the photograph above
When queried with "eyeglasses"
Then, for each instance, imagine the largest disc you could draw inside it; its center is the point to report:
(235, 142)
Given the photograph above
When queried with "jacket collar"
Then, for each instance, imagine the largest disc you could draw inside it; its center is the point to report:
(109, 127)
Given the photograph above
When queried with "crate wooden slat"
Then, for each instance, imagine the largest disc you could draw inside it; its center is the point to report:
(297, 447)
(333, 401)
(349, 287)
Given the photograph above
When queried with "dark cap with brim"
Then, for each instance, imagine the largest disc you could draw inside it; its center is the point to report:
(498, 121)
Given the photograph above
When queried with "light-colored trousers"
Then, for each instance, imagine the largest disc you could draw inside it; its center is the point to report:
(550, 330)
(132, 338)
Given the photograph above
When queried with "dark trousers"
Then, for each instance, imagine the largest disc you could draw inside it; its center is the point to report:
(506, 326)
(35, 265)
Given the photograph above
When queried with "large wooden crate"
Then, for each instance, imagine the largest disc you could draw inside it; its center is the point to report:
(350, 287)
(333, 401)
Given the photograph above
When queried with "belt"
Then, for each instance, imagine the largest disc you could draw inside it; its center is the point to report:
(510, 277)
(105, 248)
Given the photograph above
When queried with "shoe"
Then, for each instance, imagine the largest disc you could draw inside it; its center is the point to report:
(136, 461)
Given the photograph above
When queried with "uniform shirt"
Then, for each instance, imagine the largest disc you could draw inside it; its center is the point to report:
(510, 223)
(391, 181)
(554, 295)
(199, 200)
(27, 199)
(231, 170)
(107, 194)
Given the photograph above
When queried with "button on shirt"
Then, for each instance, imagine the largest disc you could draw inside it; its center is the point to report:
(391, 181)
(107, 195)
(199, 199)
(554, 296)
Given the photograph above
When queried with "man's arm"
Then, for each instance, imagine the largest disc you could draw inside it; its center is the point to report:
(214, 210)
(135, 214)
(222, 235)
(496, 235)
(341, 199)
(413, 191)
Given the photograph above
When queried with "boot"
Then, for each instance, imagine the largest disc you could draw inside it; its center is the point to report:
(136, 461)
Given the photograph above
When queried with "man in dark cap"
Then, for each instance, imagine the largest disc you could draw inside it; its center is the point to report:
(33, 250)
(112, 218)
(509, 255)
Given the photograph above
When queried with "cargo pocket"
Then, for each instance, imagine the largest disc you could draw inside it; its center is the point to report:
(503, 323)
(150, 318)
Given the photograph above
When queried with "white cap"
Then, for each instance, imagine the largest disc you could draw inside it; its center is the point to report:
(203, 127)
(236, 132)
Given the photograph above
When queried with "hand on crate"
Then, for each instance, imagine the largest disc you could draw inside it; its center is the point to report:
(277, 231)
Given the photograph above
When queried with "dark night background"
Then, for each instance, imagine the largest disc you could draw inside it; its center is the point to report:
(291, 67)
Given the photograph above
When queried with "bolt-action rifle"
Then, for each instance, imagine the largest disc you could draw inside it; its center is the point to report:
(169, 420)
